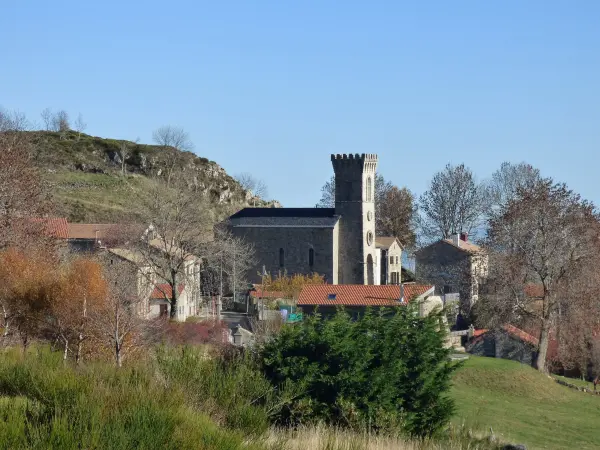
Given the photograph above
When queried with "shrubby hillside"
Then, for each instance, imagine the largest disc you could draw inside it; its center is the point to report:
(91, 183)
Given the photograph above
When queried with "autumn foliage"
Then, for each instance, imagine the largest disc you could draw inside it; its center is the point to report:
(70, 304)
(290, 286)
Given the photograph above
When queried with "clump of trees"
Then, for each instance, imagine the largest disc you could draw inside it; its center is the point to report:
(543, 247)
(72, 303)
(383, 372)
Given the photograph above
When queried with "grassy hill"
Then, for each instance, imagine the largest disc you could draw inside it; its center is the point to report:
(522, 405)
(90, 184)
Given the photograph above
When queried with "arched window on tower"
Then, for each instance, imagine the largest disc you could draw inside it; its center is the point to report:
(369, 189)
(281, 258)
(311, 257)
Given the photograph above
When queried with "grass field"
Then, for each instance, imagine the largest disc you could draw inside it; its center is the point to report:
(524, 406)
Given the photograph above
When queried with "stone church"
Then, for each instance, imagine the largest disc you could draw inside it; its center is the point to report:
(339, 243)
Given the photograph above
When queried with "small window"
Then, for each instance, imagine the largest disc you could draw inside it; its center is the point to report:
(397, 259)
(369, 189)
(331, 297)
(311, 257)
(281, 258)
(391, 260)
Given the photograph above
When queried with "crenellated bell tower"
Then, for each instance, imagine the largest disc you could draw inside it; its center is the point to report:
(355, 204)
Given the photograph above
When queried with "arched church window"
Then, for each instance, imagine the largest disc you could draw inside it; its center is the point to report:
(369, 189)
(281, 257)
(311, 257)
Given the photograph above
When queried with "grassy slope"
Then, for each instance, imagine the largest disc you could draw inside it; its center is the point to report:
(524, 406)
(100, 194)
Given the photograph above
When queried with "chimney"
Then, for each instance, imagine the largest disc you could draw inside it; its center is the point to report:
(464, 236)
(456, 239)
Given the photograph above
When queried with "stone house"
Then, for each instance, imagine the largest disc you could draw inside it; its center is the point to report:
(355, 299)
(454, 266)
(338, 243)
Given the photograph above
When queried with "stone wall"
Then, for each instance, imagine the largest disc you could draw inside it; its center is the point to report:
(443, 265)
(296, 244)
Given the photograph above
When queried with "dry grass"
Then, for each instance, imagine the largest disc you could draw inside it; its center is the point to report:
(326, 438)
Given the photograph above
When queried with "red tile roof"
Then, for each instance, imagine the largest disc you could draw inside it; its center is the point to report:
(520, 334)
(360, 295)
(54, 226)
(467, 246)
(162, 290)
(89, 230)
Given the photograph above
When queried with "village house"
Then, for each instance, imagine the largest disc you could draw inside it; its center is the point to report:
(326, 298)
(388, 251)
(159, 293)
(454, 265)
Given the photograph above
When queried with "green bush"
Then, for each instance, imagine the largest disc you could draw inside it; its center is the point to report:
(386, 371)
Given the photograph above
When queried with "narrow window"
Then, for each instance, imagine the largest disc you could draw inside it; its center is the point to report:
(391, 260)
(397, 259)
(281, 258)
(311, 257)
(369, 189)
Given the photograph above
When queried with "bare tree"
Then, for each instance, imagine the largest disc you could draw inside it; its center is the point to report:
(60, 121)
(47, 117)
(395, 215)
(250, 183)
(539, 240)
(118, 322)
(124, 153)
(327, 199)
(452, 204)
(80, 126)
(13, 122)
(23, 192)
(180, 227)
(172, 139)
(227, 262)
(506, 182)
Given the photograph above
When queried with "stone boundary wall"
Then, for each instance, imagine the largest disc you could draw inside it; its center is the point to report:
(573, 386)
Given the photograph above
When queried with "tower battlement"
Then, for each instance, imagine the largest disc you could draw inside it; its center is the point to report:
(364, 157)
(366, 162)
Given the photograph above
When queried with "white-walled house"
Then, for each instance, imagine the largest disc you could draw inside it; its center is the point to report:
(158, 293)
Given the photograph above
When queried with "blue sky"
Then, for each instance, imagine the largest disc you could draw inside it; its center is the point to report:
(274, 87)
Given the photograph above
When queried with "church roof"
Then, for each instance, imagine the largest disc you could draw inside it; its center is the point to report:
(284, 212)
(360, 294)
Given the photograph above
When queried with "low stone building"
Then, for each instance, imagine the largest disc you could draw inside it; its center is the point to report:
(454, 266)
(507, 342)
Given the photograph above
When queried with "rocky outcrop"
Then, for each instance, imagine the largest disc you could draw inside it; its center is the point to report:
(94, 155)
